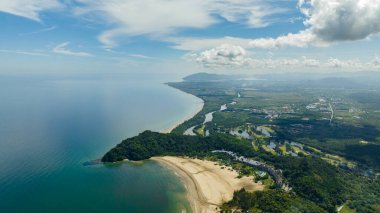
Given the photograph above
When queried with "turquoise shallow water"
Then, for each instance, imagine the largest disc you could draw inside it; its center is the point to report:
(49, 126)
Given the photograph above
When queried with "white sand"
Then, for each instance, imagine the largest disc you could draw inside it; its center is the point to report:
(208, 185)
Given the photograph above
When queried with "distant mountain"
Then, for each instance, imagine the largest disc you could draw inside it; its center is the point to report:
(201, 77)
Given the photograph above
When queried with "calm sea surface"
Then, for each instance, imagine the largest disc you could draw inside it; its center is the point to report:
(50, 125)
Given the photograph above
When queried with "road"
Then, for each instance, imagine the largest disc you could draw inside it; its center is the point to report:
(332, 114)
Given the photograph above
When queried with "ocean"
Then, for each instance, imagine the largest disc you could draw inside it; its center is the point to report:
(51, 124)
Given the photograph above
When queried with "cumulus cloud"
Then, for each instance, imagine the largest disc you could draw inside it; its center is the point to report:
(330, 21)
(227, 55)
(196, 44)
(160, 18)
(224, 55)
(232, 56)
(307, 62)
(376, 62)
(288, 64)
(336, 63)
(62, 49)
(342, 20)
(302, 39)
(28, 8)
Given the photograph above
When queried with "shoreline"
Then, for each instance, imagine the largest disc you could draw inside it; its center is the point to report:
(208, 185)
(199, 107)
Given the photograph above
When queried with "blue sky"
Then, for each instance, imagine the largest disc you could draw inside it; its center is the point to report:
(253, 36)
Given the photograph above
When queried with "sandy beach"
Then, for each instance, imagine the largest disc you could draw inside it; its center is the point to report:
(207, 184)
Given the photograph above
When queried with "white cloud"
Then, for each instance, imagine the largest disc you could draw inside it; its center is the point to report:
(28, 8)
(259, 14)
(330, 21)
(253, 13)
(39, 31)
(290, 62)
(285, 64)
(62, 49)
(22, 52)
(160, 18)
(342, 20)
(195, 44)
(221, 56)
(141, 56)
(376, 62)
(354, 64)
(329, 64)
(336, 63)
(301, 39)
(149, 17)
(309, 62)
(231, 56)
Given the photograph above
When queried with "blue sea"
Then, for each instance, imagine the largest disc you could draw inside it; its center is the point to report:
(51, 124)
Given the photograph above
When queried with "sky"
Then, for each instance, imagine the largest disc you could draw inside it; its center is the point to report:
(188, 36)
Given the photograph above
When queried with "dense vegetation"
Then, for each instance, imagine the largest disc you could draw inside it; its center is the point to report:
(366, 154)
(313, 179)
(149, 144)
(273, 200)
(362, 193)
